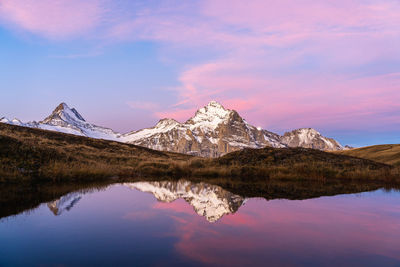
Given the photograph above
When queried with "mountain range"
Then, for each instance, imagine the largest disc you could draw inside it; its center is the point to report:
(212, 132)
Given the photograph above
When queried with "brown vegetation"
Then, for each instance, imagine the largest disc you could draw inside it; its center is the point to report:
(32, 154)
(388, 154)
(294, 164)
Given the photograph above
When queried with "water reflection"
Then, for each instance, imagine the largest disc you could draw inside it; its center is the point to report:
(120, 225)
(209, 201)
(64, 203)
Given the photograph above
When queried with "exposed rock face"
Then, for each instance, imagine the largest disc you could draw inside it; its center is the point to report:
(209, 201)
(212, 132)
(310, 138)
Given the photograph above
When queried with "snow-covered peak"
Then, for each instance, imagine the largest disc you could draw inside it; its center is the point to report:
(64, 113)
(307, 134)
(161, 127)
(166, 124)
(310, 138)
(13, 121)
(4, 120)
(215, 104)
(210, 116)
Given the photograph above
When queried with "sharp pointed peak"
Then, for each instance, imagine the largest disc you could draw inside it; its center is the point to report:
(62, 106)
(63, 111)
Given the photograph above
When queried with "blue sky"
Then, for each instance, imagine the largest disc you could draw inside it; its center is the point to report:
(126, 64)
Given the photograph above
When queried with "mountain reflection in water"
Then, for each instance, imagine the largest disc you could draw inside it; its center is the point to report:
(157, 223)
(64, 203)
(209, 201)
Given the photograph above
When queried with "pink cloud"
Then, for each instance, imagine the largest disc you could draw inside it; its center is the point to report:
(54, 19)
(281, 64)
(292, 100)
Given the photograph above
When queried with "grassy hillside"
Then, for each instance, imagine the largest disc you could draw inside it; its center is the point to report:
(297, 163)
(33, 154)
(27, 153)
(389, 154)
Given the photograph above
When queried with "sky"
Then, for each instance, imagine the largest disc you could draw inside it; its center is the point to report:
(333, 65)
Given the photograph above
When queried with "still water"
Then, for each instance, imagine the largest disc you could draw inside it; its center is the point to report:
(196, 224)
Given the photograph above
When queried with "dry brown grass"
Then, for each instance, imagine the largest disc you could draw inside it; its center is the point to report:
(43, 155)
(32, 154)
(389, 154)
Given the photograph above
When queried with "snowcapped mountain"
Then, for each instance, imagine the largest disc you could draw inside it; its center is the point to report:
(310, 138)
(212, 132)
(209, 201)
(67, 120)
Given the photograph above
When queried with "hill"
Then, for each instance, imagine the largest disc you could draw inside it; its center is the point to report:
(299, 163)
(35, 154)
(389, 154)
(27, 153)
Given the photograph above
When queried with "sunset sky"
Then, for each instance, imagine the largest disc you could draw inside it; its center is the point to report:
(333, 65)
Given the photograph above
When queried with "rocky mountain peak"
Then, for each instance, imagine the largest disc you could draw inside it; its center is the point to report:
(65, 113)
(309, 138)
(166, 123)
(210, 116)
(214, 108)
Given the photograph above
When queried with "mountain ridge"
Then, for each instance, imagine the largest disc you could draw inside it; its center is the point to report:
(213, 131)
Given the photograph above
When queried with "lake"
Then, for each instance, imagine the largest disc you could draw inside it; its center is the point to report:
(175, 223)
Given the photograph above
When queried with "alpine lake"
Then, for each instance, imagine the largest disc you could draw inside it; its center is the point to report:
(196, 223)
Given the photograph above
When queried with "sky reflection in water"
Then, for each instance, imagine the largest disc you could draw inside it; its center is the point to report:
(124, 226)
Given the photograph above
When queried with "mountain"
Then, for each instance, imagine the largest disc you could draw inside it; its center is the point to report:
(310, 138)
(67, 120)
(212, 132)
(209, 201)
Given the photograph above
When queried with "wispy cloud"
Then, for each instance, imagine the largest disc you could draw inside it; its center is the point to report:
(281, 63)
(54, 19)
